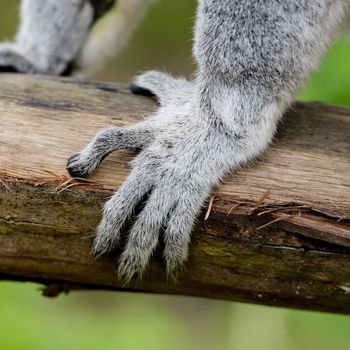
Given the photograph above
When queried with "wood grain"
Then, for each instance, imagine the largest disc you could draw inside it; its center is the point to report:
(278, 231)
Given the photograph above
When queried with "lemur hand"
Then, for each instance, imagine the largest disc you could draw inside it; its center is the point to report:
(183, 156)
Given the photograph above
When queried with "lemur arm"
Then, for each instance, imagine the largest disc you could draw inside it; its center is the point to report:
(49, 37)
(252, 58)
(66, 37)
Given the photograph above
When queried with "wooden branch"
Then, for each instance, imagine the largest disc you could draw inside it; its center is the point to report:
(277, 232)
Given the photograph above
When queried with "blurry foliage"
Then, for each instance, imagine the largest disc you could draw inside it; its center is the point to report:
(331, 83)
(163, 40)
(99, 320)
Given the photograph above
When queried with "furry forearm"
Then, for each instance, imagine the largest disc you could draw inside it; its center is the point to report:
(268, 47)
(252, 57)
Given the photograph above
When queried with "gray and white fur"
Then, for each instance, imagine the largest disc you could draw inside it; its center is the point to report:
(50, 36)
(252, 57)
(63, 37)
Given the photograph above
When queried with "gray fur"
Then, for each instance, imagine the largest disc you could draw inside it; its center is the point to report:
(50, 36)
(252, 58)
(56, 37)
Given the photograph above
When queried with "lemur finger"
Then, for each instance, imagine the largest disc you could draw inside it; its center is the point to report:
(12, 61)
(118, 209)
(178, 229)
(163, 86)
(105, 142)
(144, 235)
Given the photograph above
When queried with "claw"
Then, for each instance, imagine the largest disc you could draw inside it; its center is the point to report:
(80, 166)
(71, 167)
(12, 61)
(138, 90)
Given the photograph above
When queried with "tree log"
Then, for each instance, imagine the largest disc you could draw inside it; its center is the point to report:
(276, 232)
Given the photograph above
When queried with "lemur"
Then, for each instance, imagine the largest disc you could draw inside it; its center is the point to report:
(252, 57)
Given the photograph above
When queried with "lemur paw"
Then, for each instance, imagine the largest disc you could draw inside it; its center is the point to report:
(175, 170)
(12, 61)
(172, 206)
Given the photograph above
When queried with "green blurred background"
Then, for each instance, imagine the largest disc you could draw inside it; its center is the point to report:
(106, 320)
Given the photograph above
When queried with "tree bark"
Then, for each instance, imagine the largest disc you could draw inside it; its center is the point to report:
(276, 232)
